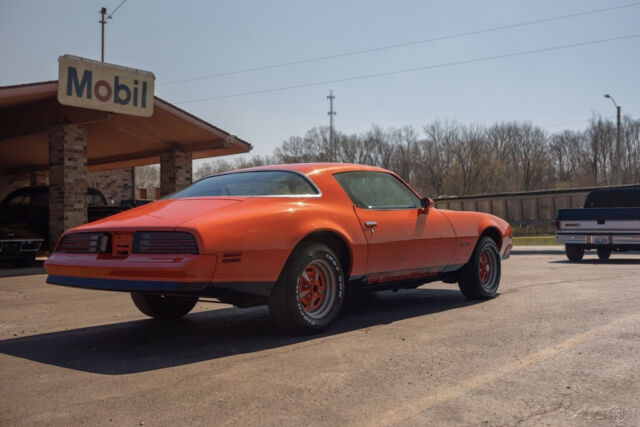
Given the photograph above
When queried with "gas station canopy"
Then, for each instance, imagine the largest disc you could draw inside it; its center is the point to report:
(115, 140)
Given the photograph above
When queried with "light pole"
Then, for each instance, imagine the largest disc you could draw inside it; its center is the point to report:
(618, 166)
(331, 113)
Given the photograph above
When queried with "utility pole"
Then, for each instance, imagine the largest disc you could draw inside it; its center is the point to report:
(618, 166)
(331, 113)
(103, 21)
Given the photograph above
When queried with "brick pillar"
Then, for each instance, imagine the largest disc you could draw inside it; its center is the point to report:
(67, 179)
(175, 171)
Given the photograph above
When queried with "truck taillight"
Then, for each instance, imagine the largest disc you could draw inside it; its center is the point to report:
(557, 225)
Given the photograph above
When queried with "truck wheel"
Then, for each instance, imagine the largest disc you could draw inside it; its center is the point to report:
(162, 306)
(574, 252)
(480, 277)
(309, 292)
(604, 253)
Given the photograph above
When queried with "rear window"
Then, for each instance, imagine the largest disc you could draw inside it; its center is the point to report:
(614, 199)
(255, 183)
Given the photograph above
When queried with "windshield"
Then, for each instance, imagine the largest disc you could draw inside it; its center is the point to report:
(255, 183)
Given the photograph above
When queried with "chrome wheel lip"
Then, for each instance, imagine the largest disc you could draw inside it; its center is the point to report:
(330, 292)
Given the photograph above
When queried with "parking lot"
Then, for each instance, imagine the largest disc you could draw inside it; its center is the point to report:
(559, 345)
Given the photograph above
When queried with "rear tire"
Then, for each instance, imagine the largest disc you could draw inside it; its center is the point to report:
(310, 291)
(162, 306)
(574, 252)
(480, 277)
(604, 253)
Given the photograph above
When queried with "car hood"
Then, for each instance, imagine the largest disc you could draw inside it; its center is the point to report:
(167, 214)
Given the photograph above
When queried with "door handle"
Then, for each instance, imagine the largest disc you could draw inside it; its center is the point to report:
(371, 225)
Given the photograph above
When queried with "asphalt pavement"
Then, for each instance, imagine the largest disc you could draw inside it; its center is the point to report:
(560, 345)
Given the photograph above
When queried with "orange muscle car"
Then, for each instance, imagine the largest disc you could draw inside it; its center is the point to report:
(298, 238)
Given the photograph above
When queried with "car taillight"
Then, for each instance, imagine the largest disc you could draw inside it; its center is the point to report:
(80, 243)
(164, 242)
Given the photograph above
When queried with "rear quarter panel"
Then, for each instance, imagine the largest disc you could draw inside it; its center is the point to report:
(259, 234)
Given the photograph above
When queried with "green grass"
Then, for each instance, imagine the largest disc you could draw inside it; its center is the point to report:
(534, 241)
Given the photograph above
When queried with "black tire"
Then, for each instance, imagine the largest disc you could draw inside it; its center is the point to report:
(480, 277)
(604, 253)
(574, 252)
(162, 306)
(26, 261)
(310, 291)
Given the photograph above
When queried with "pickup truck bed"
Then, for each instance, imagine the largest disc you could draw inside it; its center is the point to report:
(605, 229)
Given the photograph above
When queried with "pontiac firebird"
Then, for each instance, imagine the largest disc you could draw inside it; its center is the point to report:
(299, 238)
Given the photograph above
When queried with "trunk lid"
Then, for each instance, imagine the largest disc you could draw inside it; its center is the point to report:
(165, 214)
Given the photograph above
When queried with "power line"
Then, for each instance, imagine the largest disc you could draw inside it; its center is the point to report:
(409, 70)
(405, 44)
(574, 123)
(116, 9)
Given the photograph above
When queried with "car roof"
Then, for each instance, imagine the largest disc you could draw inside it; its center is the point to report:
(315, 168)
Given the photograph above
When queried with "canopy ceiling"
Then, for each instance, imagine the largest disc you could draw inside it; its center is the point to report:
(113, 140)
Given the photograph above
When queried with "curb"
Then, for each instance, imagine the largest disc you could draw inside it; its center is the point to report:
(538, 250)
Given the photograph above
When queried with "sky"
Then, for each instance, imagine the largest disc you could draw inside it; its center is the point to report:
(556, 89)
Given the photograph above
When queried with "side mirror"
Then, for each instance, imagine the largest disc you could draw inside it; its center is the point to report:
(425, 204)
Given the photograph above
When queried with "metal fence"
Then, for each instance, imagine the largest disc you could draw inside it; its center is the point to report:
(531, 210)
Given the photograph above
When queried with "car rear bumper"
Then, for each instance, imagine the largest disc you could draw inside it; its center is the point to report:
(138, 273)
(147, 267)
(201, 289)
(599, 239)
(138, 286)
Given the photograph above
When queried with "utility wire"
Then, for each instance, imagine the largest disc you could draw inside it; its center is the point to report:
(409, 70)
(394, 46)
(116, 9)
(575, 123)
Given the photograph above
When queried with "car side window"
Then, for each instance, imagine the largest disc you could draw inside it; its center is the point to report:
(377, 190)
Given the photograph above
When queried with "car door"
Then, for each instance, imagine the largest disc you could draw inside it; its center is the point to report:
(399, 236)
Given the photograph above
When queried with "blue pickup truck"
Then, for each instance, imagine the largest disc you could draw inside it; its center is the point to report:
(609, 221)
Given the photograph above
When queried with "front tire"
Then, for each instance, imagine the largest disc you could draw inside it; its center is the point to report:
(310, 291)
(574, 252)
(604, 253)
(480, 277)
(162, 306)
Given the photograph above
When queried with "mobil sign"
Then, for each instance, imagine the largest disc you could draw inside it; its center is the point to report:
(91, 84)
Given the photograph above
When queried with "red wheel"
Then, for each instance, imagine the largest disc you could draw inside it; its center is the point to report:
(316, 288)
(310, 291)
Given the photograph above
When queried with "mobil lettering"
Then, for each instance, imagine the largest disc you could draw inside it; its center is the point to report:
(82, 85)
